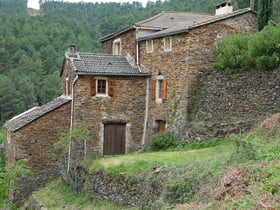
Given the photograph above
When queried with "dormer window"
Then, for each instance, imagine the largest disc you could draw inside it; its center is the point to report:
(167, 44)
(117, 47)
(149, 46)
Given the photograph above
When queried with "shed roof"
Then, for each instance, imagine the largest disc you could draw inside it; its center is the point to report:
(34, 113)
(188, 25)
(106, 65)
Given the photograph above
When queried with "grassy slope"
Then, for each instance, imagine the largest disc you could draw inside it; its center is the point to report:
(256, 153)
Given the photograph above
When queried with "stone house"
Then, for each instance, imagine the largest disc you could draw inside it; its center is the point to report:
(30, 136)
(139, 86)
(175, 47)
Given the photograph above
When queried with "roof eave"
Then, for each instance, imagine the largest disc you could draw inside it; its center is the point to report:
(113, 35)
(163, 35)
(112, 74)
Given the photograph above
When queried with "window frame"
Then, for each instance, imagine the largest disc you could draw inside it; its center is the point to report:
(105, 93)
(167, 44)
(159, 88)
(117, 50)
(149, 45)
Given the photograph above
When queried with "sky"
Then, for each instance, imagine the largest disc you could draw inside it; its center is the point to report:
(35, 3)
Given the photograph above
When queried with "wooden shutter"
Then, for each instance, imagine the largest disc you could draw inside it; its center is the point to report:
(154, 82)
(164, 89)
(93, 87)
(111, 88)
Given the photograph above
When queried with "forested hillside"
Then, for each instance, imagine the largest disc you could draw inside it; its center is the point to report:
(32, 48)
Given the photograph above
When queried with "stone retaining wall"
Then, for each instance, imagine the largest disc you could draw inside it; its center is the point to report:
(232, 102)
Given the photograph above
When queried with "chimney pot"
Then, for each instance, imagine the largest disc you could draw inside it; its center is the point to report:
(224, 8)
(72, 51)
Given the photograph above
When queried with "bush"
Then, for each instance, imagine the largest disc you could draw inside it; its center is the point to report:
(194, 177)
(232, 53)
(243, 51)
(163, 140)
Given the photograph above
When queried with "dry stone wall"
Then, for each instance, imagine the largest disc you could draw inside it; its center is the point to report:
(232, 102)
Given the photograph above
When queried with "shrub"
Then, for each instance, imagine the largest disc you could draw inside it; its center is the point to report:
(163, 140)
(232, 53)
(242, 51)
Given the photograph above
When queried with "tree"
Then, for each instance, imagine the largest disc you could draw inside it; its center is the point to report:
(9, 99)
(264, 13)
(243, 3)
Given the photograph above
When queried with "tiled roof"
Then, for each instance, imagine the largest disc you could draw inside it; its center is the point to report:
(34, 113)
(105, 65)
(168, 19)
(188, 25)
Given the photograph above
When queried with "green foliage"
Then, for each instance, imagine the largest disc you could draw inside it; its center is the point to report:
(264, 48)
(163, 140)
(271, 179)
(59, 195)
(8, 179)
(172, 112)
(243, 151)
(78, 134)
(243, 51)
(2, 150)
(231, 53)
(182, 188)
(264, 12)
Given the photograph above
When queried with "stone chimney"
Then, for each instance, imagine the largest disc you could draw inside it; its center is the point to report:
(72, 51)
(224, 8)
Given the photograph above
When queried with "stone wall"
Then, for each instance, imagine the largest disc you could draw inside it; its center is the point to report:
(190, 52)
(127, 105)
(232, 102)
(127, 40)
(139, 192)
(34, 142)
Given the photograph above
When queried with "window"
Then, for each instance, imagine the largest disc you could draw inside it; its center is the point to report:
(101, 87)
(159, 89)
(117, 47)
(167, 44)
(149, 46)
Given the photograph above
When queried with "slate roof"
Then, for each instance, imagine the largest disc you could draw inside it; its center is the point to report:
(105, 65)
(161, 21)
(168, 19)
(34, 113)
(188, 25)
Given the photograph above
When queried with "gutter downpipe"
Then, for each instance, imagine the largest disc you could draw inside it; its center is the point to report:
(146, 110)
(147, 91)
(71, 123)
(137, 47)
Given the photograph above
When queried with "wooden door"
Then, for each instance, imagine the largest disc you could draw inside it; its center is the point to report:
(114, 139)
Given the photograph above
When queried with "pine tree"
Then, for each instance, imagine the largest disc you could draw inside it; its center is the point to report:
(264, 12)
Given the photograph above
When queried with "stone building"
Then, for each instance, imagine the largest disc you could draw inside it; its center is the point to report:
(30, 136)
(139, 86)
(175, 46)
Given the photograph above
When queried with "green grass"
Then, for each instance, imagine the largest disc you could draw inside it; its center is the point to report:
(57, 195)
(194, 173)
(138, 163)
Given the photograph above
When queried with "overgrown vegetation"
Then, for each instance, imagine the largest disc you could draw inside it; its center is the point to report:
(239, 171)
(57, 195)
(244, 51)
(8, 176)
